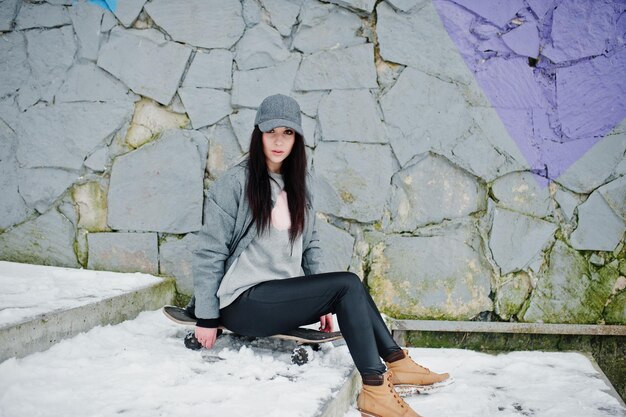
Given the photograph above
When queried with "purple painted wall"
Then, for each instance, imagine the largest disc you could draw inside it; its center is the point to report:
(554, 70)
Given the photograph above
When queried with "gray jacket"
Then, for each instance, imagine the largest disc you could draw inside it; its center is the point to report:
(227, 230)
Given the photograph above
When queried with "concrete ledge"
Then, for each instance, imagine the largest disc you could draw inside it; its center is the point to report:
(504, 327)
(343, 398)
(45, 330)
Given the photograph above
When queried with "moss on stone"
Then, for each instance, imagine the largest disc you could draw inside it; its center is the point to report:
(569, 290)
(615, 310)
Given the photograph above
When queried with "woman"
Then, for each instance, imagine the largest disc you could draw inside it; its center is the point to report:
(257, 264)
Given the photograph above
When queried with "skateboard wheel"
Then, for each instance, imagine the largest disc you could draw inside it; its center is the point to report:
(299, 356)
(191, 342)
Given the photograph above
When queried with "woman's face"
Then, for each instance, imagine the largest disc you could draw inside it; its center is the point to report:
(277, 145)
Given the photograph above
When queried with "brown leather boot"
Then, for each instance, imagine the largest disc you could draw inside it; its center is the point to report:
(382, 400)
(408, 374)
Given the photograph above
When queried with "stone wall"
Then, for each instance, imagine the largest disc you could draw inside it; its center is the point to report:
(469, 160)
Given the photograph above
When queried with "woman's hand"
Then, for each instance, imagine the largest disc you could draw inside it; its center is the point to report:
(206, 336)
(326, 323)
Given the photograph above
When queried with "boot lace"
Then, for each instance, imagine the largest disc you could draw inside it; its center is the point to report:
(400, 401)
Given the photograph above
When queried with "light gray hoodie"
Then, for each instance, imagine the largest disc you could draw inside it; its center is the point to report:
(227, 230)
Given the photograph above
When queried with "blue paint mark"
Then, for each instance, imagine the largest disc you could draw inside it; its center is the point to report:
(110, 5)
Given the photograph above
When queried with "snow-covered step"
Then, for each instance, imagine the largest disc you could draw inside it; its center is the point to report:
(141, 368)
(515, 384)
(40, 305)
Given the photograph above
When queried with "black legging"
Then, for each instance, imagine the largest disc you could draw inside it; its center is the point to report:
(273, 307)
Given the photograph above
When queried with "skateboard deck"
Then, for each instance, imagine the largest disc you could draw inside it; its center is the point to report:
(300, 337)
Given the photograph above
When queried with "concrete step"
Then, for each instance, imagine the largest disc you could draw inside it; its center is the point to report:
(41, 305)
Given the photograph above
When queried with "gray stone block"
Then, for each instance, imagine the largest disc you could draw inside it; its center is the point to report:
(614, 194)
(40, 187)
(447, 276)
(12, 205)
(176, 260)
(242, 122)
(597, 164)
(351, 116)
(85, 17)
(45, 240)
(42, 15)
(511, 293)
(523, 192)
(283, 13)
(620, 169)
(109, 21)
(205, 106)
(251, 12)
(479, 156)
(145, 62)
(123, 252)
(158, 187)
(346, 186)
(344, 68)
(88, 82)
(8, 11)
(430, 191)
(50, 54)
(599, 227)
(596, 259)
(202, 23)
(358, 5)
(309, 101)
(431, 114)
(128, 10)
(337, 246)
(62, 135)
(488, 124)
(567, 202)
(418, 39)
(516, 239)
(260, 46)
(211, 69)
(14, 68)
(567, 291)
(251, 87)
(202, 145)
(324, 26)
(224, 150)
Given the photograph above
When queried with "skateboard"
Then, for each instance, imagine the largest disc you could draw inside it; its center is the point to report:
(297, 339)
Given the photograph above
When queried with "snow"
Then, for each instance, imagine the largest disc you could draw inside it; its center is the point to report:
(141, 368)
(515, 384)
(30, 290)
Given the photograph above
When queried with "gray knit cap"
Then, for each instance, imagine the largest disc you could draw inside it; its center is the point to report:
(279, 110)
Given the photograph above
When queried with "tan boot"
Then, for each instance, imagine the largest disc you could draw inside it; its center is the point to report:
(383, 401)
(407, 374)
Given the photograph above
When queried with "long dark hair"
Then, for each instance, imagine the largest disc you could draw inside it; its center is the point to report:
(293, 170)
